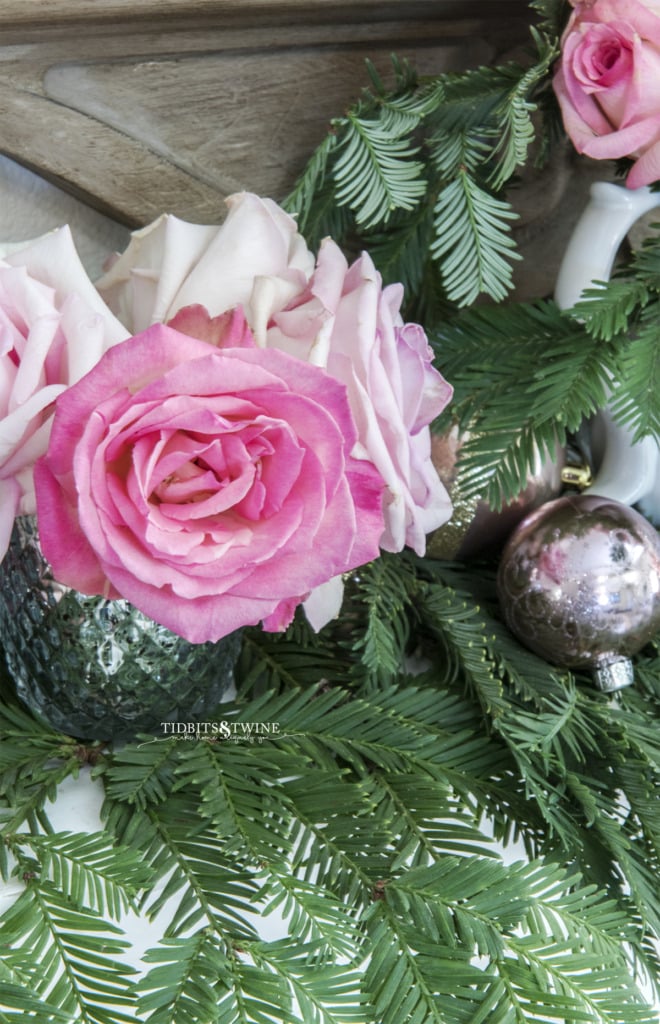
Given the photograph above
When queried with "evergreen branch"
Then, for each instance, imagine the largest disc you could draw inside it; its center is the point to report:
(255, 995)
(300, 200)
(472, 240)
(451, 151)
(338, 846)
(469, 645)
(496, 466)
(553, 14)
(328, 994)
(18, 1006)
(38, 787)
(474, 99)
(374, 172)
(515, 113)
(623, 312)
(189, 979)
(476, 127)
(274, 663)
(489, 109)
(635, 399)
(552, 737)
(621, 851)
(397, 729)
(313, 915)
(34, 760)
(405, 96)
(72, 945)
(17, 724)
(242, 797)
(524, 377)
(142, 774)
(327, 219)
(609, 309)
(407, 729)
(399, 109)
(188, 864)
(589, 991)
(427, 819)
(401, 251)
(89, 869)
(417, 817)
(139, 830)
(400, 987)
(645, 262)
(211, 887)
(480, 907)
(385, 597)
(342, 846)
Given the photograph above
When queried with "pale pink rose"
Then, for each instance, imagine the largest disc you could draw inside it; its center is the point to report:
(348, 323)
(256, 259)
(53, 328)
(608, 83)
(211, 487)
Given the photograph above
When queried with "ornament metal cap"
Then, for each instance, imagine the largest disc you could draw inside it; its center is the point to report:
(614, 675)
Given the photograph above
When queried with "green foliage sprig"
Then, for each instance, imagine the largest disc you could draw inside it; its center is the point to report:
(414, 173)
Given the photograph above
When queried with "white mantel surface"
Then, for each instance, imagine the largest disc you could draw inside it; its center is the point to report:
(31, 206)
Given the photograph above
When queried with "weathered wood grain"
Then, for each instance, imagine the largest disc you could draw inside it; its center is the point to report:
(50, 13)
(173, 104)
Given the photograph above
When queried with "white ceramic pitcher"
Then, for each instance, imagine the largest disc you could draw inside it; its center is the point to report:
(626, 471)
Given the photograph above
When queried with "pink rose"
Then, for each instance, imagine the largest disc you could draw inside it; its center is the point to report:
(347, 322)
(53, 328)
(608, 83)
(210, 487)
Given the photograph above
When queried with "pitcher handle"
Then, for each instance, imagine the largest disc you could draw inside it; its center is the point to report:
(628, 469)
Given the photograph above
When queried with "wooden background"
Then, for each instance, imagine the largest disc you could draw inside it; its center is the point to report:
(170, 105)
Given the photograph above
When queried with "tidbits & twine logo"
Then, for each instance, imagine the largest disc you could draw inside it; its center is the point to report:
(225, 731)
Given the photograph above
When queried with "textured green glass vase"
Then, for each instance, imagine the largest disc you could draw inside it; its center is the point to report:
(100, 669)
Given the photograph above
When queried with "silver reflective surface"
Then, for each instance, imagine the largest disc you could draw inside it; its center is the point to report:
(95, 668)
(579, 583)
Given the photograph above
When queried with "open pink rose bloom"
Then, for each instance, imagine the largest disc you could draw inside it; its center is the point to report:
(237, 424)
(212, 488)
(607, 83)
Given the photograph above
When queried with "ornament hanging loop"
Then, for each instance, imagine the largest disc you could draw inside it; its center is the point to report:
(612, 676)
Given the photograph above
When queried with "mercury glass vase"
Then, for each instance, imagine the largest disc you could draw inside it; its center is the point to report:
(95, 668)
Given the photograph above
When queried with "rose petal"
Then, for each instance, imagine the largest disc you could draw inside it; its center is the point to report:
(324, 603)
(227, 330)
(10, 496)
(140, 285)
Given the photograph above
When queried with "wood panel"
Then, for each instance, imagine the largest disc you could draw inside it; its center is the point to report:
(49, 14)
(172, 104)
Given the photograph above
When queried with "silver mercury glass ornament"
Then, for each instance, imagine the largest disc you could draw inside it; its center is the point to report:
(579, 584)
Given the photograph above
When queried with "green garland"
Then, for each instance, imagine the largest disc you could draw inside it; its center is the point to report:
(415, 734)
